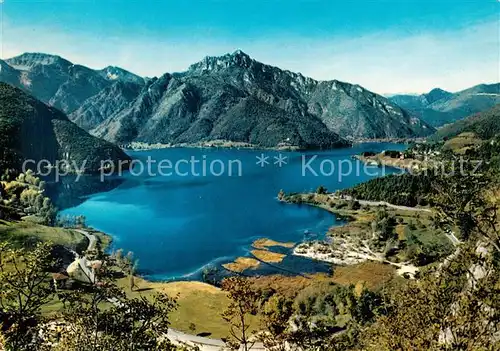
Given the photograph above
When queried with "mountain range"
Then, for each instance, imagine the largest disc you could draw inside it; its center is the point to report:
(32, 130)
(231, 97)
(440, 107)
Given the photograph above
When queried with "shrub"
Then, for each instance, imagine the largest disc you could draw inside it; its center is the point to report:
(321, 190)
(354, 205)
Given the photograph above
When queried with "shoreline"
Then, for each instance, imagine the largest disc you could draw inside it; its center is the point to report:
(220, 144)
(317, 249)
(344, 250)
(388, 140)
(384, 161)
(226, 144)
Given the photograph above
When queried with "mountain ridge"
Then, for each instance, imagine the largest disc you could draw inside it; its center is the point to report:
(212, 99)
(439, 107)
(59, 82)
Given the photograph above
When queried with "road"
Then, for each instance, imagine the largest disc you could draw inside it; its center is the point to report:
(451, 236)
(92, 239)
(205, 344)
(382, 203)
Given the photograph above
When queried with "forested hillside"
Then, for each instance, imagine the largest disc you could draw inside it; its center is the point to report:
(484, 124)
(32, 130)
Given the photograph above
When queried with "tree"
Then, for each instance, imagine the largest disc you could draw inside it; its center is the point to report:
(316, 310)
(281, 195)
(456, 306)
(321, 190)
(276, 314)
(80, 221)
(460, 199)
(128, 266)
(243, 304)
(210, 274)
(24, 288)
(94, 317)
(353, 205)
(3, 193)
(128, 324)
(131, 276)
(439, 312)
(367, 307)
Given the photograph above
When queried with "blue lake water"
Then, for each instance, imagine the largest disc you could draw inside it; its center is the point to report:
(177, 224)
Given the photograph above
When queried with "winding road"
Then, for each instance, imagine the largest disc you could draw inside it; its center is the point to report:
(91, 237)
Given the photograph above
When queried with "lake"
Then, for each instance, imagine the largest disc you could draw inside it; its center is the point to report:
(209, 205)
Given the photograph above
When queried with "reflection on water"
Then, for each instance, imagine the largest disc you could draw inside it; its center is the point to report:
(69, 193)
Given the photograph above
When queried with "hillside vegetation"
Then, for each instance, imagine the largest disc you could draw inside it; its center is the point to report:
(34, 131)
(404, 189)
(484, 125)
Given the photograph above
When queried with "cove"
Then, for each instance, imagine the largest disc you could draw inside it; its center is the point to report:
(177, 223)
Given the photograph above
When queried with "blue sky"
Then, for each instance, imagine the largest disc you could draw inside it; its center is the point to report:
(386, 46)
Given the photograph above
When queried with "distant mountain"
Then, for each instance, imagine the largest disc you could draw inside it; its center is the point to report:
(439, 107)
(417, 102)
(231, 97)
(236, 98)
(114, 73)
(66, 86)
(32, 130)
(484, 124)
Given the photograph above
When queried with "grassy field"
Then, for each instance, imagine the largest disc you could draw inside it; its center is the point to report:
(262, 253)
(287, 285)
(200, 305)
(360, 220)
(462, 142)
(24, 233)
(372, 275)
(268, 256)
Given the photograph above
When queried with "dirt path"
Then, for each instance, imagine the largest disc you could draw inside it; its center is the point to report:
(382, 203)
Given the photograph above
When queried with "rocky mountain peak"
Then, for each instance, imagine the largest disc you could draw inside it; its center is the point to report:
(217, 63)
(241, 55)
(29, 59)
(115, 73)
